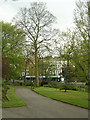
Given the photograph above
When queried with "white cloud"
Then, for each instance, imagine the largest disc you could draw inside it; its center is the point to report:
(62, 9)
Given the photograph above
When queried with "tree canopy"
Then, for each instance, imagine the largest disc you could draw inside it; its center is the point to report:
(76, 42)
(13, 40)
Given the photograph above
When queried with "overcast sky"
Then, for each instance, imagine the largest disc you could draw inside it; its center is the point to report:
(62, 9)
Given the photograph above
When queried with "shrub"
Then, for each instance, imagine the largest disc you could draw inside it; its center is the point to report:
(28, 83)
(54, 84)
(16, 84)
(4, 92)
(81, 88)
(6, 82)
(46, 85)
(67, 86)
(77, 87)
(71, 87)
(43, 83)
(62, 86)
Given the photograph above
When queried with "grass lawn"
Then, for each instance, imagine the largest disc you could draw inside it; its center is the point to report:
(72, 97)
(14, 101)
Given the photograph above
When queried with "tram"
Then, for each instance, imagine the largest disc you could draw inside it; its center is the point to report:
(44, 78)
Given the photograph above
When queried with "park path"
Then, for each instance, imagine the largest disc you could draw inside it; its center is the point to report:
(41, 107)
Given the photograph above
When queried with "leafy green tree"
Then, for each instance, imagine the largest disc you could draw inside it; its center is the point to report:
(76, 42)
(81, 22)
(6, 70)
(13, 40)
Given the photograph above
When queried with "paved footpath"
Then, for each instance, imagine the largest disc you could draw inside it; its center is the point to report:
(41, 107)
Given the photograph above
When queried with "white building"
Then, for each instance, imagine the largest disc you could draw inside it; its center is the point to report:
(59, 64)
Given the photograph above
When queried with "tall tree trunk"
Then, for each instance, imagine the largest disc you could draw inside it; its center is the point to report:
(36, 65)
(25, 71)
(25, 76)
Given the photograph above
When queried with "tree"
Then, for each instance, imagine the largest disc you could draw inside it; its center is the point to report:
(76, 42)
(78, 57)
(13, 40)
(81, 22)
(6, 70)
(36, 22)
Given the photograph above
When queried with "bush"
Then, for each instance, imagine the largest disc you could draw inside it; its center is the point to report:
(43, 83)
(28, 83)
(71, 87)
(86, 88)
(62, 86)
(23, 84)
(76, 87)
(81, 88)
(4, 92)
(67, 86)
(54, 84)
(6, 82)
(46, 85)
(16, 84)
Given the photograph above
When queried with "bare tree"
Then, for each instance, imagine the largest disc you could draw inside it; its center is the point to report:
(36, 21)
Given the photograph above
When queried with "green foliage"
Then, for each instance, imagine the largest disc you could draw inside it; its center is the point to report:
(4, 92)
(76, 43)
(13, 40)
(54, 84)
(75, 48)
(80, 50)
(16, 83)
(74, 87)
(5, 87)
(6, 82)
(13, 100)
(29, 83)
(46, 85)
(68, 86)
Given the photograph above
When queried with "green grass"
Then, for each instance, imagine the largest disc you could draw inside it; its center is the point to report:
(72, 97)
(14, 101)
